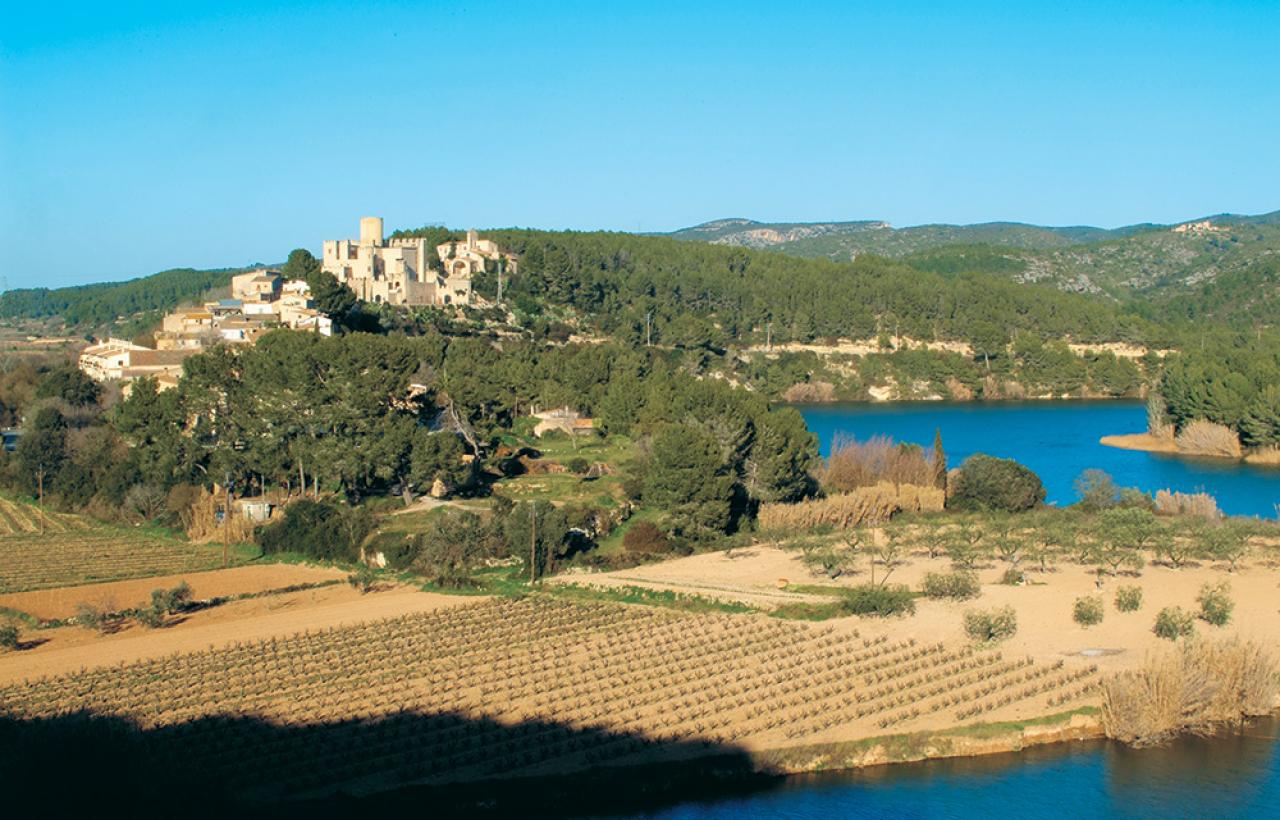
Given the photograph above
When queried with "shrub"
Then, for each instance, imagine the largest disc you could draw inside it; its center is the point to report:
(166, 601)
(958, 585)
(992, 624)
(151, 617)
(853, 464)
(88, 616)
(1206, 438)
(1215, 603)
(1013, 577)
(1174, 622)
(316, 529)
(986, 483)
(879, 601)
(8, 637)
(645, 538)
(1129, 599)
(578, 466)
(1096, 490)
(1200, 505)
(1087, 610)
(363, 578)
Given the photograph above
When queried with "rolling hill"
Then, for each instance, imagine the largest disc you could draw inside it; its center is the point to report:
(1220, 266)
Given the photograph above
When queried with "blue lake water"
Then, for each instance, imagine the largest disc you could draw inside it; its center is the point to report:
(1058, 440)
(1237, 776)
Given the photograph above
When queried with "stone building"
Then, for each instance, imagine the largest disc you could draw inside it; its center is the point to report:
(395, 272)
(399, 271)
(256, 286)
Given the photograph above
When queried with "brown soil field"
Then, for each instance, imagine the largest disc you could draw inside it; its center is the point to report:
(67, 649)
(61, 602)
(1046, 630)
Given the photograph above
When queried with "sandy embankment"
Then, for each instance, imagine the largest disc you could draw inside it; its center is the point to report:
(1268, 457)
(1142, 441)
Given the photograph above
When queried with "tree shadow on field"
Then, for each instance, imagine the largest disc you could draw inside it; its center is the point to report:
(442, 765)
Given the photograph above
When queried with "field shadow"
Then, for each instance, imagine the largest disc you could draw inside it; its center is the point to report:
(446, 764)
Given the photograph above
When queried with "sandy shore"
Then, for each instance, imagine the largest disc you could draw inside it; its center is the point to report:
(1142, 441)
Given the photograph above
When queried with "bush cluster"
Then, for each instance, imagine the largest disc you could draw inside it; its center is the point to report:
(1129, 599)
(986, 483)
(645, 538)
(1087, 610)
(1215, 603)
(1174, 622)
(318, 529)
(991, 624)
(8, 636)
(879, 601)
(959, 585)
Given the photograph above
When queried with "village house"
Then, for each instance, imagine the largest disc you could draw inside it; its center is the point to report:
(123, 361)
(260, 301)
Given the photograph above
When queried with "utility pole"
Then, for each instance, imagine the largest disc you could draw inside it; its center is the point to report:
(648, 329)
(768, 337)
(500, 267)
(533, 542)
(226, 520)
(40, 492)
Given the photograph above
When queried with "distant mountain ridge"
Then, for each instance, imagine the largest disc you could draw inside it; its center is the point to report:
(878, 236)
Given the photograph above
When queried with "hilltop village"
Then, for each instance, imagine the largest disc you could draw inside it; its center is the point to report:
(398, 271)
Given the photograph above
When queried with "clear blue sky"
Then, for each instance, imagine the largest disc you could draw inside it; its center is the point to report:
(134, 139)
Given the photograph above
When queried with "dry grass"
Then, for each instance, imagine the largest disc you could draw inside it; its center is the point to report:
(814, 392)
(855, 464)
(1196, 688)
(1200, 505)
(1204, 438)
(1269, 456)
(866, 505)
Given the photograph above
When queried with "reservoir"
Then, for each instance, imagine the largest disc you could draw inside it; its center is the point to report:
(1056, 439)
(1232, 776)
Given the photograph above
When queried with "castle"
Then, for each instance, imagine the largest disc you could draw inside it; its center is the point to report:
(399, 271)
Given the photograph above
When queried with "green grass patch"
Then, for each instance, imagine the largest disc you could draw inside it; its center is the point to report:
(684, 602)
(807, 611)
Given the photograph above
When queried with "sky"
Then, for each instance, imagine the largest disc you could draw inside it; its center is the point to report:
(136, 137)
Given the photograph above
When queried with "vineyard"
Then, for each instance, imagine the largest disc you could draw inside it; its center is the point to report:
(509, 687)
(16, 518)
(78, 555)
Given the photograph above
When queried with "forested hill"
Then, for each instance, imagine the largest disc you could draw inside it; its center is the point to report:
(701, 293)
(1219, 267)
(108, 302)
